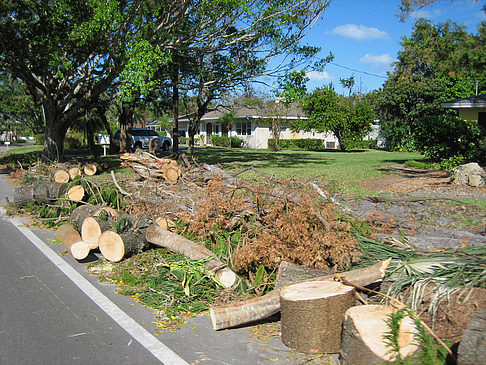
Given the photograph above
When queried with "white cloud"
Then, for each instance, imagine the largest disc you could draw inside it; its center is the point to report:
(377, 60)
(360, 32)
(319, 76)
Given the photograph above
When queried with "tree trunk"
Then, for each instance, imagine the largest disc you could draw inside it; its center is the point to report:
(73, 242)
(163, 238)
(312, 314)
(42, 191)
(56, 129)
(235, 314)
(91, 230)
(175, 104)
(362, 337)
(114, 247)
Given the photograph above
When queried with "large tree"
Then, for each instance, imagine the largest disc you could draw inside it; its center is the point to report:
(347, 117)
(69, 52)
(437, 63)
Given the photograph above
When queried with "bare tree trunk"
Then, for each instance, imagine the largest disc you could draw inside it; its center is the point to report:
(56, 129)
(175, 105)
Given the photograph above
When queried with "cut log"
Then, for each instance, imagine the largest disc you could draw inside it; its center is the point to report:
(164, 223)
(472, 349)
(91, 169)
(79, 214)
(56, 190)
(363, 330)
(42, 191)
(91, 230)
(60, 175)
(171, 174)
(312, 314)
(235, 314)
(73, 242)
(74, 172)
(76, 193)
(23, 196)
(163, 238)
(289, 273)
(114, 247)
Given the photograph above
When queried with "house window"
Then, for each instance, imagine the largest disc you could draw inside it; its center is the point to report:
(243, 128)
(216, 129)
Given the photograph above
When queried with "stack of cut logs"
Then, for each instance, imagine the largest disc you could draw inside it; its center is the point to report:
(93, 227)
(45, 191)
(149, 166)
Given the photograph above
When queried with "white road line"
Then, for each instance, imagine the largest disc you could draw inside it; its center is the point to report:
(146, 339)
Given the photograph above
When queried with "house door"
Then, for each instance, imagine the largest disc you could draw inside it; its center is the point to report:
(209, 131)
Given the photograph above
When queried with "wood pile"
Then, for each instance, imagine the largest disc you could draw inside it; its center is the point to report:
(149, 166)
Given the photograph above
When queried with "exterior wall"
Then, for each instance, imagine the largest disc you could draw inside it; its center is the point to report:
(470, 113)
(261, 133)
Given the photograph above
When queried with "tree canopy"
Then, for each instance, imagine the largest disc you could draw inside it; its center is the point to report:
(438, 63)
(67, 53)
(347, 117)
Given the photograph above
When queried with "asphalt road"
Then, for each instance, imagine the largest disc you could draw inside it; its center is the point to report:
(52, 311)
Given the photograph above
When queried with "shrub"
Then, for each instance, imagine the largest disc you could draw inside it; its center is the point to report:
(444, 137)
(306, 144)
(224, 141)
(183, 140)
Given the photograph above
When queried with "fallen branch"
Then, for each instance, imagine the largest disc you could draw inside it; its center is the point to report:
(256, 309)
(118, 186)
(163, 238)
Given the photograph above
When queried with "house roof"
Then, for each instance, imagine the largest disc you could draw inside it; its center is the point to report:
(476, 101)
(251, 112)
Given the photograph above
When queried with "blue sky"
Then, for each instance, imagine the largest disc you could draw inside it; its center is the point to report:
(365, 36)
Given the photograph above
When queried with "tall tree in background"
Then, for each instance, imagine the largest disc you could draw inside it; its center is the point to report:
(69, 52)
(437, 63)
(347, 117)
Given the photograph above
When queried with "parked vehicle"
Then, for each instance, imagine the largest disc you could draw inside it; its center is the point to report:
(141, 138)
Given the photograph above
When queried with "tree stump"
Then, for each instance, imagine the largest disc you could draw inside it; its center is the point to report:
(91, 230)
(73, 242)
(60, 175)
(363, 330)
(114, 247)
(472, 349)
(312, 314)
(255, 309)
(76, 193)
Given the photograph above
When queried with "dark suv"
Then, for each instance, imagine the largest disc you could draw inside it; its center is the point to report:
(141, 138)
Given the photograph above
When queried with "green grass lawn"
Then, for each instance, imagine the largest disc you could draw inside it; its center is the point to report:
(342, 170)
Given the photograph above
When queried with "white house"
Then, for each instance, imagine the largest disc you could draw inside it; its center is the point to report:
(253, 125)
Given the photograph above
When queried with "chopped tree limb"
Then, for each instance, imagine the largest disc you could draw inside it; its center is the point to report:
(42, 191)
(73, 242)
(163, 238)
(92, 169)
(91, 230)
(312, 314)
(76, 193)
(60, 176)
(256, 309)
(363, 331)
(74, 172)
(114, 247)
